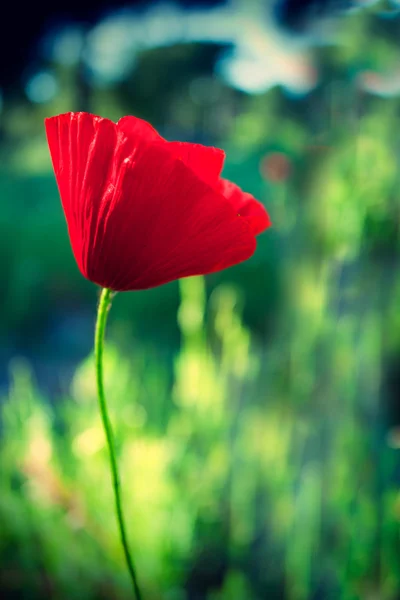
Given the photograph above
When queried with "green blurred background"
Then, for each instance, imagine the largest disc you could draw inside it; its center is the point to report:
(257, 411)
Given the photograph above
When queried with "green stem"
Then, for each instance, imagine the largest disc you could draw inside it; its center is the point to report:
(104, 306)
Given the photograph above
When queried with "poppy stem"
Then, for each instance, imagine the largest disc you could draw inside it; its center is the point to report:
(102, 313)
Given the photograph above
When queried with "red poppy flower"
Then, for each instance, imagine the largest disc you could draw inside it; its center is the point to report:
(142, 211)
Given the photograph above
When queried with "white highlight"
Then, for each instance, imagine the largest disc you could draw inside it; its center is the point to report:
(260, 58)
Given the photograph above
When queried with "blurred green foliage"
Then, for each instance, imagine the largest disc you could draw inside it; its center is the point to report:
(229, 491)
(258, 431)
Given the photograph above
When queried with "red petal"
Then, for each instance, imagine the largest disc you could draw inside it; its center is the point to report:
(137, 215)
(81, 147)
(137, 128)
(163, 224)
(246, 206)
(206, 162)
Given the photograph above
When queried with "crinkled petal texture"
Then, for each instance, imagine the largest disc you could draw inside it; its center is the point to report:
(142, 211)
